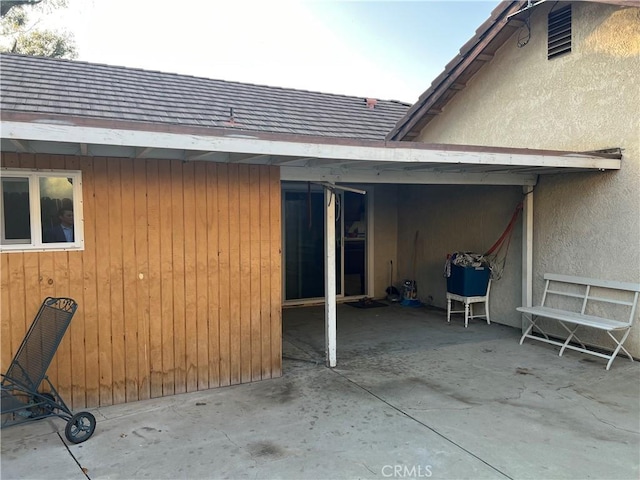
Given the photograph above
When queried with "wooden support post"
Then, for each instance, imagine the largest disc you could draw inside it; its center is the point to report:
(330, 277)
(527, 250)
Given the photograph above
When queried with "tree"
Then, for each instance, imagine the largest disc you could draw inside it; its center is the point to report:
(7, 5)
(20, 34)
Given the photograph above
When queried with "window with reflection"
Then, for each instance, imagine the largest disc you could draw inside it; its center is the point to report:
(41, 210)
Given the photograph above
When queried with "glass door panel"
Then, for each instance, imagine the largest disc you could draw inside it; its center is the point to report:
(355, 242)
(304, 257)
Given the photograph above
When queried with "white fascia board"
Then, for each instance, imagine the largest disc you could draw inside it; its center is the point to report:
(306, 174)
(243, 143)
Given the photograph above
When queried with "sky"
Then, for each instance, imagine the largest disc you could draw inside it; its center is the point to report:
(389, 50)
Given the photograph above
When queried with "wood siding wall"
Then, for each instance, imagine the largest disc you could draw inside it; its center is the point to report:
(179, 284)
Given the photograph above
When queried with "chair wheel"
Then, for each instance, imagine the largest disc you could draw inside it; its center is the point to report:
(80, 427)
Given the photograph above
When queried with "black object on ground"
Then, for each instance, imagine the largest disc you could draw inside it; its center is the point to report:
(367, 303)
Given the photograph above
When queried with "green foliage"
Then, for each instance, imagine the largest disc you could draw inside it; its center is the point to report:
(46, 43)
(19, 33)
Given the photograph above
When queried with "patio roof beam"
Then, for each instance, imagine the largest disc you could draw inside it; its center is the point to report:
(389, 152)
(143, 152)
(287, 160)
(20, 145)
(250, 158)
(304, 174)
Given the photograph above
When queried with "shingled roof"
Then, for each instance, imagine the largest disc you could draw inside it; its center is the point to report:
(85, 90)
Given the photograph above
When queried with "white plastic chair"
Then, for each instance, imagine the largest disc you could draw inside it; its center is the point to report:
(468, 306)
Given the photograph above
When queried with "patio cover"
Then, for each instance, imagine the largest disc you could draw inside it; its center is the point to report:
(308, 158)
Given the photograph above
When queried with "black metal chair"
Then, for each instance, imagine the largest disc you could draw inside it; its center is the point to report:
(22, 399)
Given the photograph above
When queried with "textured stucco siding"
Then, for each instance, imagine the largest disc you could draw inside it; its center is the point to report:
(465, 218)
(385, 237)
(585, 224)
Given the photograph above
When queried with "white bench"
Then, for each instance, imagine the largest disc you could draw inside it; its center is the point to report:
(571, 301)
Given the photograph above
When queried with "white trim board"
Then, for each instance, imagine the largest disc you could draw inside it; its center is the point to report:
(365, 162)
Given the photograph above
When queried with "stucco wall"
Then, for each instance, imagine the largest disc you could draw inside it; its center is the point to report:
(584, 224)
(450, 218)
(385, 246)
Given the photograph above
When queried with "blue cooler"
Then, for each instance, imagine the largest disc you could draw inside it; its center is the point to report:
(468, 281)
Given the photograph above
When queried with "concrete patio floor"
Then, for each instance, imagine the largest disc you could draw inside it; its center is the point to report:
(412, 397)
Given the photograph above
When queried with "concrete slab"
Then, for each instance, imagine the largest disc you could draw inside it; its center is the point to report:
(35, 450)
(412, 397)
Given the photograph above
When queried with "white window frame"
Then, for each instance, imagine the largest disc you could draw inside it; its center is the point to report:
(36, 243)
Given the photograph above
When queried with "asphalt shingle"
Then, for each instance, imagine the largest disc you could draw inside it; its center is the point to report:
(81, 89)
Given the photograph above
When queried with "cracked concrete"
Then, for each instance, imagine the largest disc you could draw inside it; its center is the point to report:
(412, 397)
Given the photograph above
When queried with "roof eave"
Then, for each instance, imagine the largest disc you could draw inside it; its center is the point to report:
(470, 51)
(492, 30)
(335, 159)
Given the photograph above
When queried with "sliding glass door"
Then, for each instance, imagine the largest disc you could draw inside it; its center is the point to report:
(303, 238)
(304, 219)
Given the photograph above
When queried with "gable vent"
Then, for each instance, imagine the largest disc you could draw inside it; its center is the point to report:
(559, 32)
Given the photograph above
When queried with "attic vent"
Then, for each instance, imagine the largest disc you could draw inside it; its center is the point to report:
(559, 32)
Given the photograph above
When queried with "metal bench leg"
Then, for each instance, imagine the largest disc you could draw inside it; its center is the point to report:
(448, 310)
(619, 347)
(572, 334)
(532, 323)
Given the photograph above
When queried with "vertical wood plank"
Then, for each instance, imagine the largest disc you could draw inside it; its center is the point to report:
(90, 287)
(103, 278)
(275, 212)
(236, 291)
(190, 277)
(31, 281)
(116, 283)
(21, 319)
(166, 268)
(156, 306)
(177, 229)
(63, 353)
(265, 275)
(129, 281)
(223, 273)
(254, 240)
(6, 344)
(201, 274)
(46, 265)
(213, 275)
(140, 185)
(76, 332)
(245, 271)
